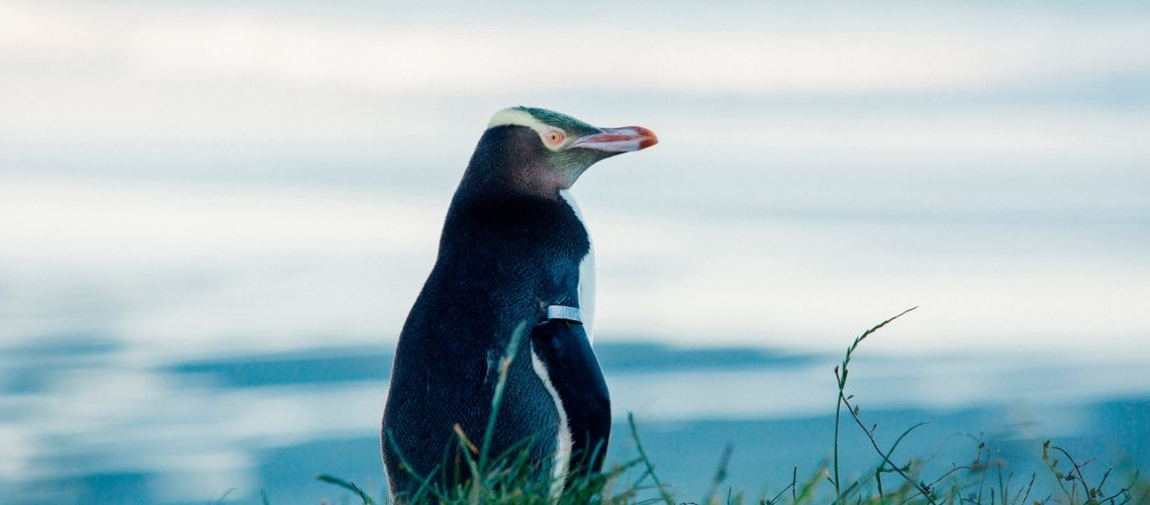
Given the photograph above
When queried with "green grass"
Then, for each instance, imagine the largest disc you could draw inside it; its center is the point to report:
(512, 479)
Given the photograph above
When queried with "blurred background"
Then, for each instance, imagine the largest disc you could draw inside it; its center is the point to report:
(214, 217)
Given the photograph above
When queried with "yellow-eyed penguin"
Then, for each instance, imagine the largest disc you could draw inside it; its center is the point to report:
(513, 250)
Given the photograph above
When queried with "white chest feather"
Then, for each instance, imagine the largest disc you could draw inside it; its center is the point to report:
(586, 273)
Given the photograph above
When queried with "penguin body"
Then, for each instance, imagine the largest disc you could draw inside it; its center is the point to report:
(513, 248)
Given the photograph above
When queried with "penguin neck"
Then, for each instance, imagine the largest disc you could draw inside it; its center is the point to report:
(569, 199)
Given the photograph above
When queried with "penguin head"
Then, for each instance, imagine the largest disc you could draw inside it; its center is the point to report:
(545, 151)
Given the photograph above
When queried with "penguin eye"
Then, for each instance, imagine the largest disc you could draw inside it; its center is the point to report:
(554, 137)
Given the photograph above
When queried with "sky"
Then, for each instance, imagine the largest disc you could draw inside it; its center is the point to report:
(819, 170)
(196, 180)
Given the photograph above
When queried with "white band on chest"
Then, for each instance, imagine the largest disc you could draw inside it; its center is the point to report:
(564, 313)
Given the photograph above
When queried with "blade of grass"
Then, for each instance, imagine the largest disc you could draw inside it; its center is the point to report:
(500, 386)
(647, 462)
(348, 485)
(842, 384)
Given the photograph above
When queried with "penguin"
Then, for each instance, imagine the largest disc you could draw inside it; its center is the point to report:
(513, 253)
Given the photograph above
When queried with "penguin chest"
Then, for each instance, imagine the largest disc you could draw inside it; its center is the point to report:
(586, 284)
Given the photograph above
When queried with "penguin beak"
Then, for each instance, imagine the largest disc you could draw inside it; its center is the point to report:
(618, 140)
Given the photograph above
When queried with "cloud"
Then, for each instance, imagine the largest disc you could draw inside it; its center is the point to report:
(89, 221)
(463, 58)
(109, 73)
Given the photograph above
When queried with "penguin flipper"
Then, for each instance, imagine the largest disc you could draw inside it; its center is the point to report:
(562, 347)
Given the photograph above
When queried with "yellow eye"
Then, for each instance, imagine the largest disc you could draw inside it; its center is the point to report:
(555, 137)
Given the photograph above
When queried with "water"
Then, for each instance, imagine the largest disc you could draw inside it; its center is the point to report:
(198, 430)
(213, 220)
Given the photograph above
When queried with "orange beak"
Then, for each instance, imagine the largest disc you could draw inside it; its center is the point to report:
(618, 140)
